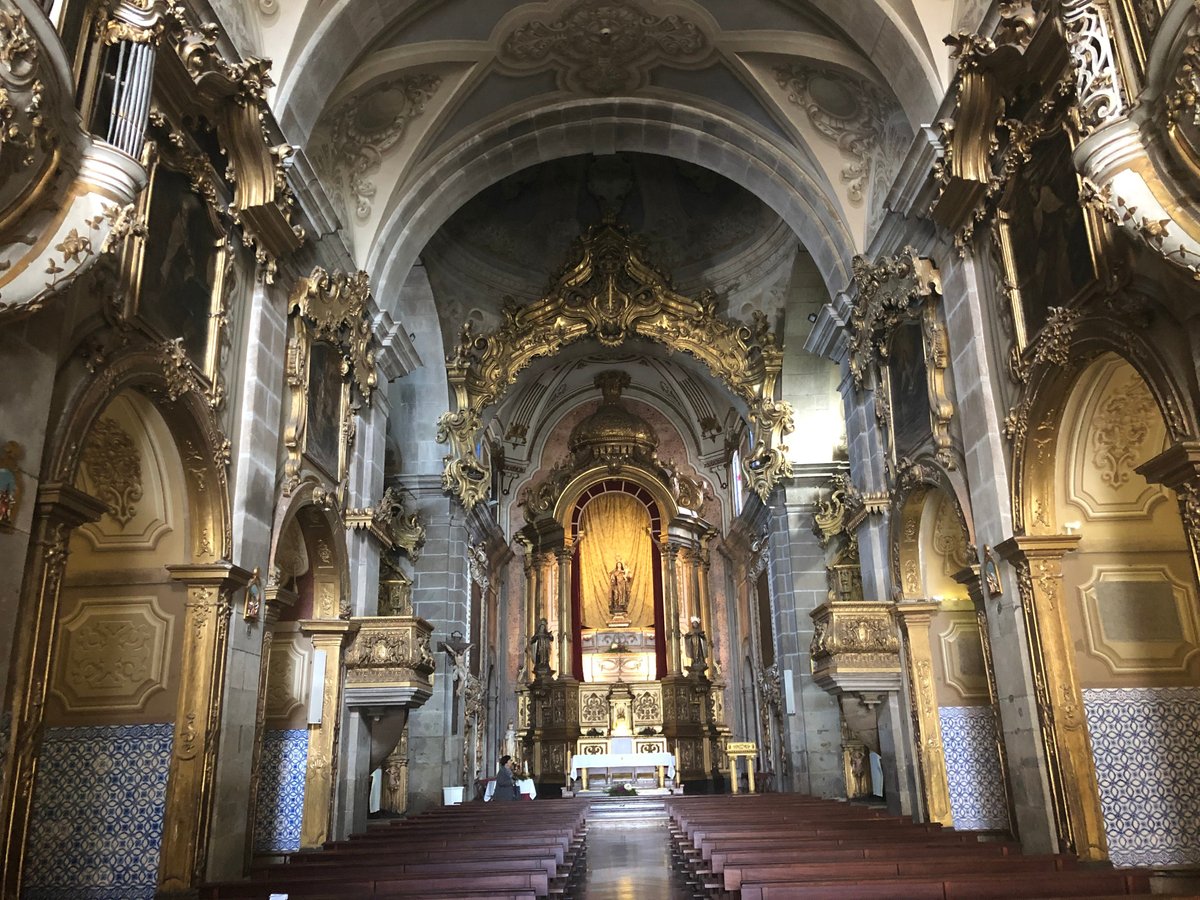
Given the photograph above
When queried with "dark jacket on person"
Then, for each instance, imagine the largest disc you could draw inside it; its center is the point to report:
(506, 788)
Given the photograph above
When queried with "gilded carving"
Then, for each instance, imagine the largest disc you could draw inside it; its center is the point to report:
(604, 49)
(395, 588)
(889, 291)
(112, 655)
(609, 292)
(395, 528)
(389, 651)
(114, 468)
(336, 304)
(366, 126)
(1119, 430)
(856, 133)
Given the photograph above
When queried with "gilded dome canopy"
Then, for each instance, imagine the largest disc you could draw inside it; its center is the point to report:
(612, 432)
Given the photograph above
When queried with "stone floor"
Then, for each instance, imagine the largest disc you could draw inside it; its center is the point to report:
(631, 860)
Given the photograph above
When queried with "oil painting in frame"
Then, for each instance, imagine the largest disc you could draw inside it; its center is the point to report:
(1045, 238)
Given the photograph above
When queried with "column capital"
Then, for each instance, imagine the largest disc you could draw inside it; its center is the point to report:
(1175, 466)
(1037, 546)
(220, 574)
(969, 577)
(918, 612)
(65, 504)
(327, 628)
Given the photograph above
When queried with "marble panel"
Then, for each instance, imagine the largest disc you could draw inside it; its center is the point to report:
(973, 768)
(98, 813)
(1146, 744)
(281, 791)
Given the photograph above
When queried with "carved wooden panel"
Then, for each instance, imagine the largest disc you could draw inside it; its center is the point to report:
(112, 654)
(1140, 619)
(962, 656)
(286, 668)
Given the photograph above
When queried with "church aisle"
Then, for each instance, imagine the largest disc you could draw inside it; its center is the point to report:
(630, 860)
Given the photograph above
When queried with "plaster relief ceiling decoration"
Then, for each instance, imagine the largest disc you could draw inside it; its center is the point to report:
(362, 128)
(607, 48)
(846, 109)
(705, 231)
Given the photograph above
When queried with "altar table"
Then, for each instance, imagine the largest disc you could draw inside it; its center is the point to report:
(581, 762)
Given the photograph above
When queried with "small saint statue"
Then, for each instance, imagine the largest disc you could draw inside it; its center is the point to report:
(619, 581)
(540, 642)
(696, 642)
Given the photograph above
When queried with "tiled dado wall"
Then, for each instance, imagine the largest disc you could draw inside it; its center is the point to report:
(98, 813)
(280, 806)
(973, 768)
(1146, 743)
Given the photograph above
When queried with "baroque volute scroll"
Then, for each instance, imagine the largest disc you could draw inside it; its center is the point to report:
(609, 292)
(233, 94)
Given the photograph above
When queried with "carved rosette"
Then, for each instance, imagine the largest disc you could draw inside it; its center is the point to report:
(610, 293)
(855, 646)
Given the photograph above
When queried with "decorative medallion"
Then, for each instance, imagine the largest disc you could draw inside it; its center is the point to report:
(114, 468)
(848, 110)
(367, 125)
(606, 48)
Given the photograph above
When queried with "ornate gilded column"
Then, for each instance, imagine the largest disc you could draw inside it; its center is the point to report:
(191, 779)
(914, 619)
(969, 577)
(328, 636)
(1037, 560)
(566, 628)
(1178, 467)
(671, 608)
(60, 508)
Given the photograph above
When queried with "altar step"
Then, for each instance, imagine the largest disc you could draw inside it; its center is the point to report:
(627, 811)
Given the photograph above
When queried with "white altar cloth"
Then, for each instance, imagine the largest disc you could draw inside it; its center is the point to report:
(524, 785)
(622, 761)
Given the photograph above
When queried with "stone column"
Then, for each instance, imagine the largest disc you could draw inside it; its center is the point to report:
(329, 636)
(914, 619)
(191, 787)
(974, 584)
(1038, 563)
(60, 508)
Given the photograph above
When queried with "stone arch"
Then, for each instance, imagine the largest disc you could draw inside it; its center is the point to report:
(174, 393)
(1125, 584)
(315, 69)
(926, 489)
(794, 188)
(1035, 421)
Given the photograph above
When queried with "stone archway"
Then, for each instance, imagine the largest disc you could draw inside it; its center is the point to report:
(202, 571)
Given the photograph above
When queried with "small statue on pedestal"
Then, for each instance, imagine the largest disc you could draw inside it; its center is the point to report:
(540, 642)
(696, 642)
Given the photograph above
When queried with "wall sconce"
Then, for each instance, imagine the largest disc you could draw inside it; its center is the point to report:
(1072, 527)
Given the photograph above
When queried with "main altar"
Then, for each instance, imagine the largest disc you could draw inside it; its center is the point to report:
(619, 680)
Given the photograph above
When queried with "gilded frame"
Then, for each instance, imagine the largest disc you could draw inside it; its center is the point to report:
(209, 366)
(1022, 335)
(939, 405)
(297, 433)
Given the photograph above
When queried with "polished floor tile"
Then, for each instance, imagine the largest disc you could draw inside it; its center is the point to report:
(631, 861)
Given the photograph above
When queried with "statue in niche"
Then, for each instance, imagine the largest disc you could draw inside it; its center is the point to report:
(539, 643)
(696, 642)
(620, 579)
